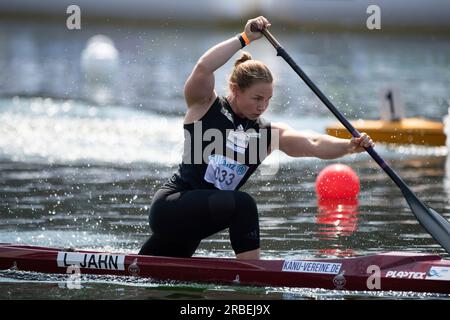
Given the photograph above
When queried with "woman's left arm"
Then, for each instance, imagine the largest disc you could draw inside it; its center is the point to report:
(300, 144)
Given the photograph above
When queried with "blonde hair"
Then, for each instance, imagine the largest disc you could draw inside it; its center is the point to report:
(247, 72)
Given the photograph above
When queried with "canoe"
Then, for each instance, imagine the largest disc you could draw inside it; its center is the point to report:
(397, 271)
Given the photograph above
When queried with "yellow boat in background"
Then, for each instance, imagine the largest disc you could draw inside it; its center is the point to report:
(403, 131)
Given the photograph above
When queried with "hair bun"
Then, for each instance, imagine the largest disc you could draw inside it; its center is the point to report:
(244, 57)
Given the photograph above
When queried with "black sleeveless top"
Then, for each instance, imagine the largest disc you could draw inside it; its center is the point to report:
(221, 150)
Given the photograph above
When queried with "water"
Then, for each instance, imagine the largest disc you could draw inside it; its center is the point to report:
(77, 173)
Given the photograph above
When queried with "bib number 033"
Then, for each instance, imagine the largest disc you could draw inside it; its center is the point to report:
(224, 173)
(224, 176)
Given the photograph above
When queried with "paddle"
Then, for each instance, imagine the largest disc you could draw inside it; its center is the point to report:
(433, 222)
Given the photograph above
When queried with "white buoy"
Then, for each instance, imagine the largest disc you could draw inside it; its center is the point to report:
(100, 65)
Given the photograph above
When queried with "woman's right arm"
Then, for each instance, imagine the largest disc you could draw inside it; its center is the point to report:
(199, 88)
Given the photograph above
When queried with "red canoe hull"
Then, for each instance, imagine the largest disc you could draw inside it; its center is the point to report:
(394, 271)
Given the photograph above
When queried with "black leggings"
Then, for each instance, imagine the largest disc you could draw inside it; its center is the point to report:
(181, 219)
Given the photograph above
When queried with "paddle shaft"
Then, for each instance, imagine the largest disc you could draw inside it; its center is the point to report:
(281, 52)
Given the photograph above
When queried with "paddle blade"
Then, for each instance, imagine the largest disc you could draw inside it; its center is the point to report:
(433, 222)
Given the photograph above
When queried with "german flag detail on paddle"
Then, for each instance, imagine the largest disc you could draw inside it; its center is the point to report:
(91, 260)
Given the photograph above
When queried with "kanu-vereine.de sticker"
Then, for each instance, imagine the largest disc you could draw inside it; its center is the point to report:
(311, 267)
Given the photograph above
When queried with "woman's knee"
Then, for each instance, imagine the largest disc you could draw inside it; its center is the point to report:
(226, 206)
(160, 216)
(159, 245)
(154, 217)
(245, 204)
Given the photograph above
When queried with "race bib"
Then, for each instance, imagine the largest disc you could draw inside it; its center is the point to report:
(224, 173)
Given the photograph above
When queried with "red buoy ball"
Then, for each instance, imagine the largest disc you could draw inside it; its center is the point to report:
(337, 181)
